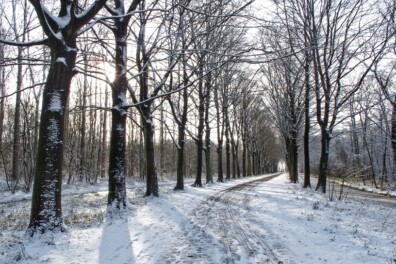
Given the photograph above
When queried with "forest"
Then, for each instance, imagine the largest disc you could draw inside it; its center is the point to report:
(111, 90)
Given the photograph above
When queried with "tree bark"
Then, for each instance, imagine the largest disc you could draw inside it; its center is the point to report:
(393, 129)
(199, 139)
(151, 176)
(46, 213)
(117, 164)
(324, 158)
(209, 176)
(16, 147)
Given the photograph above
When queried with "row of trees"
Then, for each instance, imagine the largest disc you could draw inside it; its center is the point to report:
(126, 84)
(330, 51)
(171, 63)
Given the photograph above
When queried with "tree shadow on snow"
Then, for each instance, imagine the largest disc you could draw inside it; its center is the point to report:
(116, 244)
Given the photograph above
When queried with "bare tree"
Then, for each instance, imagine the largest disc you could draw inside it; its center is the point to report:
(62, 31)
(342, 45)
(117, 166)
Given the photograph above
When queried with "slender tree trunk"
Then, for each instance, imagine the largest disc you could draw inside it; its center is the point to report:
(220, 129)
(151, 173)
(324, 158)
(234, 159)
(244, 159)
(162, 151)
(307, 162)
(2, 93)
(16, 148)
(180, 159)
(182, 130)
(199, 139)
(209, 176)
(142, 162)
(228, 149)
(393, 129)
(104, 140)
(249, 155)
(294, 160)
(82, 161)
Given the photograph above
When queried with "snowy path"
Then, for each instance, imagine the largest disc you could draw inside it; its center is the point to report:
(224, 217)
(252, 220)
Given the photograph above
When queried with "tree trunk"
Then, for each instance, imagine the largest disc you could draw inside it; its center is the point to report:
(46, 213)
(16, 148)
(104, 141)
(2, 93)
(220, 130)
(244, 169)
(307, 162)
(237, 162)
(393, 129)
(82, 161)
(209, 176)
(228, 150)
(180, 160)
(234, 159)
(199, 139)
(324, 158)
(294, 160)
(162, 151)
(117, 188)
(117, 164)
(151, 173)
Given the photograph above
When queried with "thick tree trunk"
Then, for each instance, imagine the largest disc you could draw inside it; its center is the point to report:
(117, 172)
(117, 164)
(46, 213)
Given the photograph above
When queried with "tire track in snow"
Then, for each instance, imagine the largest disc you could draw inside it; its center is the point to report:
(221, 216)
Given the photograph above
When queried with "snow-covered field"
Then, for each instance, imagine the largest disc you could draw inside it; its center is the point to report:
(240, 221)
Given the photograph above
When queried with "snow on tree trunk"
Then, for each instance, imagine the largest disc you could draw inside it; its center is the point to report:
(61, 30)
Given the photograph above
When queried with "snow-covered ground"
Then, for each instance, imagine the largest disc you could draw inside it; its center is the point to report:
(240, 221)
(360, 186)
